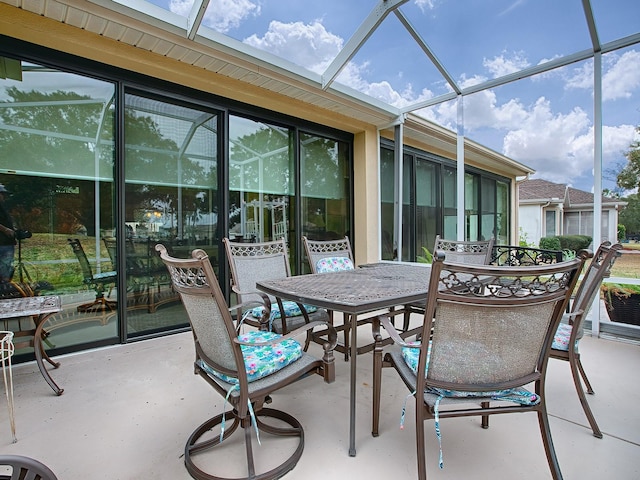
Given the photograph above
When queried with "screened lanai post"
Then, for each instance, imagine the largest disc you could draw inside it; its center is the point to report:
(460, 170)
(597, 170)
(397, 191)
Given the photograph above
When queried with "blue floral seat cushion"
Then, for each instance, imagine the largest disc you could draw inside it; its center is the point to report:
(518, 395)
(562, 337)
(291, 309)
(261, 360)
(334, 264)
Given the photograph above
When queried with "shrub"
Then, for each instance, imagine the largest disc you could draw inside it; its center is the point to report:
(427, 258)
(523, 241)
(565, 242)
(622, 232)
(574, 242)
(550, 243)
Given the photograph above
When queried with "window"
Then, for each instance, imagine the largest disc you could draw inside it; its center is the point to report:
(429, 203)
(260, 181)
(550, 223)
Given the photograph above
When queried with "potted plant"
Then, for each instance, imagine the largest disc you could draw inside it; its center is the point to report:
(622, 302)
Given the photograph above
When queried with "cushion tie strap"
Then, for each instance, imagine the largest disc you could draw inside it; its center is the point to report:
(224, 408)
(251, 414)
(438, 434)
(404, 409)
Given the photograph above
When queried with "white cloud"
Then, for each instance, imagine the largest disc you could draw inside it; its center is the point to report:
(223, 16)
(425, 4)
(313, 47)
(622, 79)
(619, 76)
(308, 45)
(558, 145)
(503, 65)
(580, 77)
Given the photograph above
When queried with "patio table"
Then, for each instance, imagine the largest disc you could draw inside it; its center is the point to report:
(39, 308)
(355, 292)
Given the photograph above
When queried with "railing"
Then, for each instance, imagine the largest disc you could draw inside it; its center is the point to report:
(516, 255)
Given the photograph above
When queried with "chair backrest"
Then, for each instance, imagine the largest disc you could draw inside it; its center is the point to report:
(110, 245)
(318, 249)
(493, 326)
(467, 252)
(85, 266)
(255, 262)
(598, 269)
(25, 468)
(211, 323)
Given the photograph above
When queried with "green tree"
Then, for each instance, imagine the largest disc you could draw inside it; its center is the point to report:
(629, 176)
(630, 216)
(54, 135)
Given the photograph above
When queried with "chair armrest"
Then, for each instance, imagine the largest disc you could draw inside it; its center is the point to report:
(266, 304)
(572, 315)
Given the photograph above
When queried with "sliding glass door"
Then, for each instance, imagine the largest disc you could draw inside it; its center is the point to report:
(170, 198)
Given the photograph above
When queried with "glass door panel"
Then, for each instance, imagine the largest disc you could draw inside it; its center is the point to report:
(171, 197)
(261, 196)
(57, 151)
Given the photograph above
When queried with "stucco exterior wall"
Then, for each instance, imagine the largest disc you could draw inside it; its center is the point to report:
(530, 222)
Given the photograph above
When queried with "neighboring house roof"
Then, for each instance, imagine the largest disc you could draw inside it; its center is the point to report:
(538, 190)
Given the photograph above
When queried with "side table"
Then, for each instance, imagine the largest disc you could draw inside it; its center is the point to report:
(39, 308)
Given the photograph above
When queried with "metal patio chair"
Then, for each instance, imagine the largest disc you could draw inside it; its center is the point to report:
(98, 281)
(327, 256)
(456, 251)
(254, 262)
(245, 369)
(25, 468)
(571, 330)
(492, 332)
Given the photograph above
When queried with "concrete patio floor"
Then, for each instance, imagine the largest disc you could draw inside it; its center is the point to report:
(127, 411)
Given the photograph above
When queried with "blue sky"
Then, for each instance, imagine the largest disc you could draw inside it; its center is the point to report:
(545, 122)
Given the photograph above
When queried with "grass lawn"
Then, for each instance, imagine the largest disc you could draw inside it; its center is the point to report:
(628, 265)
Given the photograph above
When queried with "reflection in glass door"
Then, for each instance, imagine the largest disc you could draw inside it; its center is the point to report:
(171, 197)
(261, 188)
(57, 151)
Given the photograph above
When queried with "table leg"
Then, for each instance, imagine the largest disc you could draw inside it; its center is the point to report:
(6, 352)
(352, 393)
(41, 355)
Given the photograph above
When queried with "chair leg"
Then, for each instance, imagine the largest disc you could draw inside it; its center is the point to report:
(576, 371)
(377, 387)
(99, 304)
(485, 418)
(420, 441)
(583, 374)
(543, 421)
